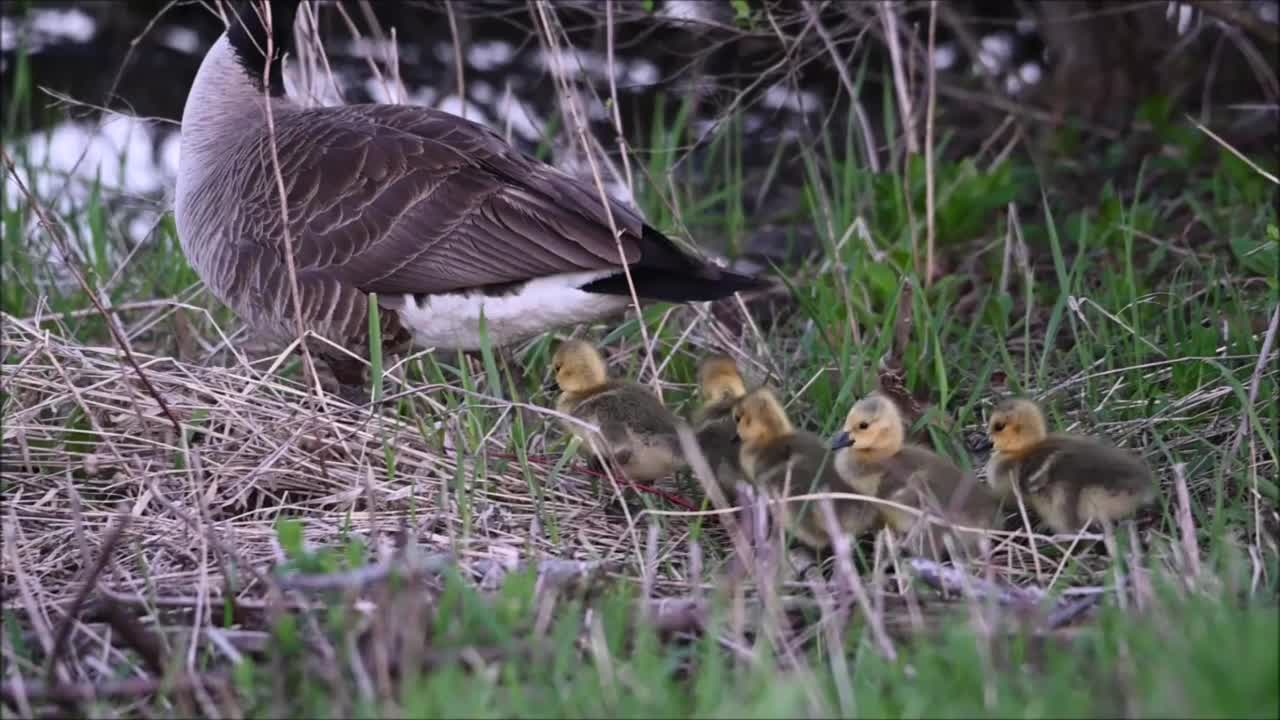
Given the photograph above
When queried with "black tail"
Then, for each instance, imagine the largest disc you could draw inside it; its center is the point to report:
(666, 273)
(671, 286)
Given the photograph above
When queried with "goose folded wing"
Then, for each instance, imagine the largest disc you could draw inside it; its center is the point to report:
(397, 199)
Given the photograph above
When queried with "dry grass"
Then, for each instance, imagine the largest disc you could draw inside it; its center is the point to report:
(83, 442)
(256, 448)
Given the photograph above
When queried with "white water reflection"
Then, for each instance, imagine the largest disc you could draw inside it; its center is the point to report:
(184, 40)
(46, 27)
(783, 95)
(490, 54)
(120, 160)
(519, 118)
(688, 10)
(120, 155)
(1029, 73)
(944, 56)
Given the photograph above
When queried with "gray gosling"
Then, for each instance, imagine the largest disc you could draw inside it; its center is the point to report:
(637, 432)
(874, 459)
(719, 385)
(1068, 480)
(785, 462)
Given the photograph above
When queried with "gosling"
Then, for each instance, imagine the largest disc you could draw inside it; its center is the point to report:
(1068, 480)
(720, 384)
(637, 432)
(873, 458)
(780, 459)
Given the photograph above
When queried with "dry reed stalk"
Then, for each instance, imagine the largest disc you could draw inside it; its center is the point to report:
(295, 295)
(551, 33)
(844, 565)
(929, 176)
(258, 460)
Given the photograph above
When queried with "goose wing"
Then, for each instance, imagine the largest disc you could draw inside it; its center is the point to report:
(1083, 461)
(402, 199)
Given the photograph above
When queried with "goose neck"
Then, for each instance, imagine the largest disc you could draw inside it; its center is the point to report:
(225, 101)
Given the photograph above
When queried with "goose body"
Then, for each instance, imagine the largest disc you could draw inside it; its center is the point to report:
(438, 215)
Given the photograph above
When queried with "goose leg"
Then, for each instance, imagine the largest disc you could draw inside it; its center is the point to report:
(354, 394)
(349, 373)
(595, 464)
(805, 564)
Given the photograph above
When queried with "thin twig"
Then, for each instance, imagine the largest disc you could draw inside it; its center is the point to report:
(1240, 15)
(1243, 158)
(855, 99)
(460, 74)
(889, 16)
(285, 229)
(613, 99)
(63, 633)
(1186, 524)
(1255, 380)
(929, 181)
(580, 127)
(130, 688)
(844, 565)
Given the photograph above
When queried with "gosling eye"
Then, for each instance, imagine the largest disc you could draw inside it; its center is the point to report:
(863, 425)
(998, 427)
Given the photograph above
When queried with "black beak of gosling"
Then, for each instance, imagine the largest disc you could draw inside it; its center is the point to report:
(841, 441)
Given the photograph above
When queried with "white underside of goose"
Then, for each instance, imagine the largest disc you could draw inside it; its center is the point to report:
(452, 320)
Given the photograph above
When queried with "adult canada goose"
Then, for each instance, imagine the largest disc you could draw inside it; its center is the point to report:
(437, 215)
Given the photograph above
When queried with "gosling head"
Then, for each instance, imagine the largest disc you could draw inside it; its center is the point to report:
(719, 380)
(578, 367)
(1016, 425)
(760, 418)
(873, 429)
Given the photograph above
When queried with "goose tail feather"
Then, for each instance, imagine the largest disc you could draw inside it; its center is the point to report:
(666, 273)
(674, 286)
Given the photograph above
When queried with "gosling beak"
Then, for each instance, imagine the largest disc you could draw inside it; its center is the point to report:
(841, 441)
(551, 388)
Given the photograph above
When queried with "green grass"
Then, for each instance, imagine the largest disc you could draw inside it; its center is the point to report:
(1223, 664)
(1121, 325)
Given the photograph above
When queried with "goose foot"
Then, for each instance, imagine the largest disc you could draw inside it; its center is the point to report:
(349, 374)
(806, 565)
(354, 394)
(595, 464)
